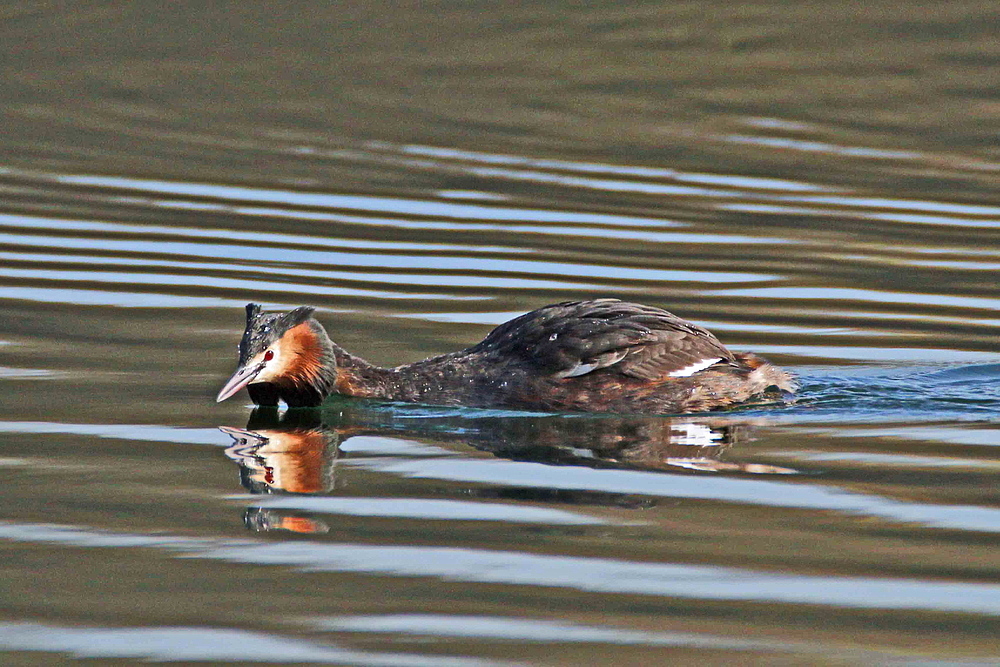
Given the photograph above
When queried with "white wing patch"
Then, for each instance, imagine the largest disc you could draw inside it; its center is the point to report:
(694, 368)
(578, 370)
(600, 361)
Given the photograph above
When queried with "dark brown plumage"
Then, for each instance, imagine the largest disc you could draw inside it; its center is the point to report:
(594, 356)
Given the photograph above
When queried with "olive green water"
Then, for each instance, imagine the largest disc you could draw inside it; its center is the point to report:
(816, 182)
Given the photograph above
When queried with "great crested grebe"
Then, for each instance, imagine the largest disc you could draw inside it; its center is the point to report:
(604, 355)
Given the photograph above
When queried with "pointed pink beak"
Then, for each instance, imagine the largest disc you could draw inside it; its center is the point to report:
(241, 378)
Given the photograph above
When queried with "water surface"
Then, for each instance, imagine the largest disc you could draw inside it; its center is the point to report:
(819, 187)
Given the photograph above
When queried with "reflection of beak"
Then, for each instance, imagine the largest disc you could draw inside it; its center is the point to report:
(242, 438)
(241, 434)
(241, 378)
(245, 444)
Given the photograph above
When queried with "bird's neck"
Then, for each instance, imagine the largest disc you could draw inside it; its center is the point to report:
(354, 376)
(325, 368)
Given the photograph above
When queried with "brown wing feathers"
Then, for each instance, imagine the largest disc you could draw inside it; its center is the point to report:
(575, 338)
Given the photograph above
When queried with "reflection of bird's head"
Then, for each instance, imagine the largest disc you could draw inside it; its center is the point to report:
(293, 460)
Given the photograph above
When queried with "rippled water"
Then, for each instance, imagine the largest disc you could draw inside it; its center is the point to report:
(819, 187)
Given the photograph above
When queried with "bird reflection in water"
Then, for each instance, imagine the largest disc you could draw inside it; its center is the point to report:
(284, 460)
(297, 452)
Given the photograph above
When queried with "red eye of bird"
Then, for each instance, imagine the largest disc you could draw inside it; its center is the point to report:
(269, 355)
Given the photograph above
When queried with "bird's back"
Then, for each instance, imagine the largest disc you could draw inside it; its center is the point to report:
(604, 355)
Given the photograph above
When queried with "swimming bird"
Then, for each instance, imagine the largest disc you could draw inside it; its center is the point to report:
(603, 355)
